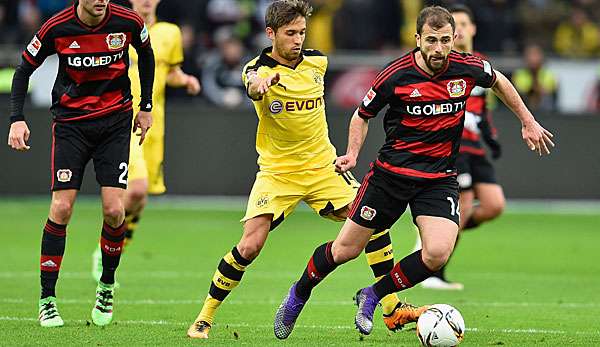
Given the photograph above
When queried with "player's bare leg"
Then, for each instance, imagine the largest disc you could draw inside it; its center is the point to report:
(53, 249)
(491, 204)
(439, 280)
(111, 244)
(380, 257)
(230, 271)
(136, 197)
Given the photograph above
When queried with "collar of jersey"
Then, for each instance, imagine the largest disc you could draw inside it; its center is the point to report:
(266, 59)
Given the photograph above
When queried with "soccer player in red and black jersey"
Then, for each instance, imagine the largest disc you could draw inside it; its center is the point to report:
(92, 117)
(476, 175)
(427, 91)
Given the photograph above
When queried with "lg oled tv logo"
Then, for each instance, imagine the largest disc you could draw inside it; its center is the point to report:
(104, 60)
(435, 109)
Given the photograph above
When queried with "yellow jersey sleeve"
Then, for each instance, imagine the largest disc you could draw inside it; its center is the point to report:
(176, 56)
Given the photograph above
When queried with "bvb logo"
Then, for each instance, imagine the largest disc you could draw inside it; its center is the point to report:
(263, 201)
(317, 78)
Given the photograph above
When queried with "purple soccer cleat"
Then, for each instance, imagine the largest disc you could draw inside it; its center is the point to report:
(367, 301)
(287, 313)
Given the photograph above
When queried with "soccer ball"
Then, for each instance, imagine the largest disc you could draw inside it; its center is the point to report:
(441, 325)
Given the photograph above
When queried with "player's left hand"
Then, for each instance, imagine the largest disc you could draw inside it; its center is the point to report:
(495, 147)
(143, 121)
(536, 137)
(192, 85)
(344, 163)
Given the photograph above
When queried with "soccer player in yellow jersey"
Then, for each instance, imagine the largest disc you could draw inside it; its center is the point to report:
(296, 158)
(146, 161)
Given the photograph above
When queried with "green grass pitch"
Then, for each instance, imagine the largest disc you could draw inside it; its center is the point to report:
(530, 278)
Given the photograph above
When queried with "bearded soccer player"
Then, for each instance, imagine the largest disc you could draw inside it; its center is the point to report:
(427, 90)
(295, 156)
(92, 117)
(146, 161)
(476, 176)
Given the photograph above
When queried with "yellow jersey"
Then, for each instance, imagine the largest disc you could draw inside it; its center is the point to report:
(168, 52)
(292, 132)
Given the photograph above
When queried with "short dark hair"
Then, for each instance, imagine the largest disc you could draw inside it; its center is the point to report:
(436, 16)
(282, 12)
(459, 8)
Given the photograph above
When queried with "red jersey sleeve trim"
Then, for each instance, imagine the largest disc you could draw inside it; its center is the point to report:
(31, 61)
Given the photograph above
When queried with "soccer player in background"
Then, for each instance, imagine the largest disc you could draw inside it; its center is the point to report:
(476, 177)
(426, 90)
(92, 116)
(295, 156)
(146, 161)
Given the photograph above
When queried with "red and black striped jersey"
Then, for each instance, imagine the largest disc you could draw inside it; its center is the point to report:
(92, 78)
(477, 113)
(424, 121)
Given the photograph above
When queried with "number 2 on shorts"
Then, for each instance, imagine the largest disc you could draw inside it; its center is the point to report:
(122, 178)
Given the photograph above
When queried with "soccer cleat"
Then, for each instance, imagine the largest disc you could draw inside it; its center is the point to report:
(367, 301)
(441, 284)
(287, 313)
(403, 313)
(97, 264)
(199, 330)
(49, 316)
(103, 308)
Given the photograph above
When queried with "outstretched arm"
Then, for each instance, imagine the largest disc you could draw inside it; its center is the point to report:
(535, 136)
(258, 86)
(357, 133)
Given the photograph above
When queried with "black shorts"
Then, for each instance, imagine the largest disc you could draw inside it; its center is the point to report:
(383, 198)
(105, 140)
(473, 169)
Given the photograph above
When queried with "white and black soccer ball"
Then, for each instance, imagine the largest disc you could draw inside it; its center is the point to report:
(441, 325)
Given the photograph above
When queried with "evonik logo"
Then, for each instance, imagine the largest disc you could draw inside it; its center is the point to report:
(435, 109)
(94, 61)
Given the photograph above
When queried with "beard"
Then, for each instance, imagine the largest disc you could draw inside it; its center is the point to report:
(434, 65)
(288, 55)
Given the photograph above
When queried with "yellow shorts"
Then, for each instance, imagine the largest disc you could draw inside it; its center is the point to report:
(146, 161)
(324, 190)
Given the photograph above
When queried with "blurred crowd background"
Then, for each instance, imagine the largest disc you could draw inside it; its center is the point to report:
(550, 48)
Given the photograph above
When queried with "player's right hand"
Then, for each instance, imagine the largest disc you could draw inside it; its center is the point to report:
(344, 163)
(18, 136)
(265, 83)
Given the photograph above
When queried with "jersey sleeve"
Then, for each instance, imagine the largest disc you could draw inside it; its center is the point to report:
(176, 56)
(40, 47)
(250, 69)
(376, 98)
(141, 36)
(483, 73)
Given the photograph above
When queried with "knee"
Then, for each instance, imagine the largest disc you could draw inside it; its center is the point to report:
(113, 212)
(345, 253)
(494, 209)
(254, 239)
(62, 209)
(137, 194)
(250, 249)
(435, 258)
